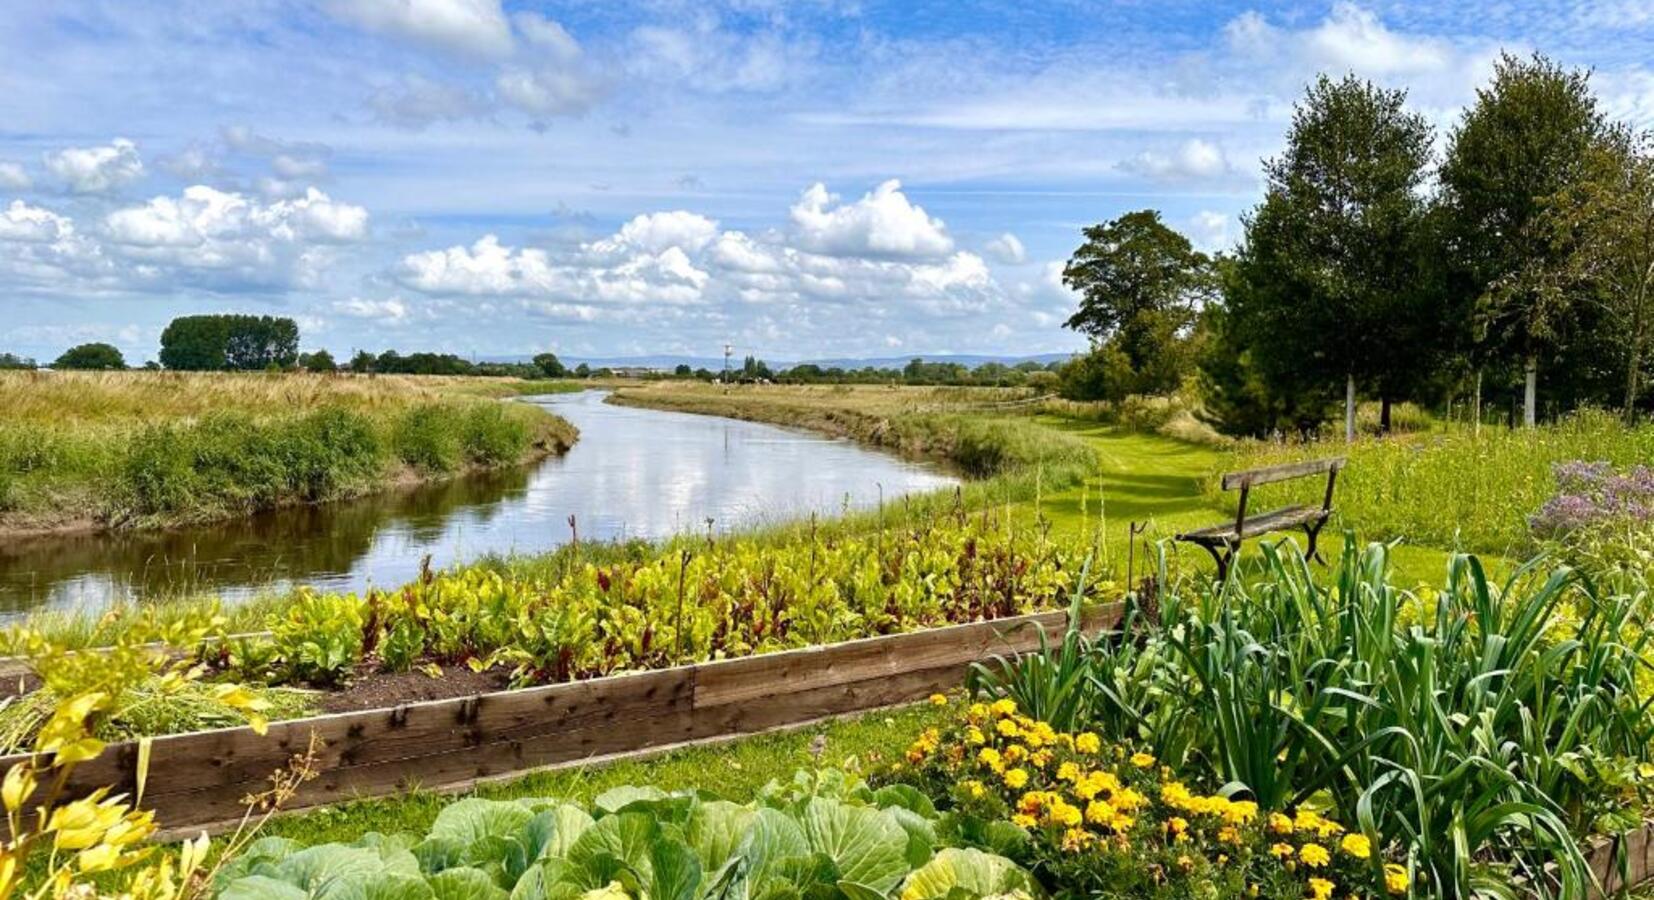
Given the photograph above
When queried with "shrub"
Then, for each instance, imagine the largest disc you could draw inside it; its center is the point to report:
(426, 438)
(491, 436)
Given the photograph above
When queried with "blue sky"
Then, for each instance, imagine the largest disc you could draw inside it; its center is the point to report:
(813, 179)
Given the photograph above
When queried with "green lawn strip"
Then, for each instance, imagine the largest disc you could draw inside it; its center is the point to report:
(733, 770)
(1157, 480)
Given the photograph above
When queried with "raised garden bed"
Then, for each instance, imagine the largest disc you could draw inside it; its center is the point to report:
(199, 780)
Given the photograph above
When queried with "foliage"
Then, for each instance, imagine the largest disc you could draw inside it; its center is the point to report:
(1473, 731)
(1140, 284)
(13, 361)
(1091, 817)
(733, 598)
(550, 366)
(823, 835)
(1601, 518)
(103, 357)
(1328, 286)
(235, 342)
(318, 361)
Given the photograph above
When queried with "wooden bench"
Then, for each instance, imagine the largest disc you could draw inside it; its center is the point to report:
(1223, 541)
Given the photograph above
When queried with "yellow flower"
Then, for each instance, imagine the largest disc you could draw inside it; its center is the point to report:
(1098, 812)
(1087, 742)
(1023, 820)
(1280, 850)
(1064, 813)
(19, 784)
(1320, 888)
(1142, 760)
(977, 711)
(1016, 778)
(1177, 825)
(1307, 820)
(1068, 771)
(1185, 863)
(1228, 835)
(990, 758)
(1279, 824)
(1357, 846)
(974, 735)
(1240, 812)
(938, 700)
(1314, 855)
(974, 788)
(1003, 707)
(1395, 878)
(1077, 839)
(1015, 753)
(1008, 728)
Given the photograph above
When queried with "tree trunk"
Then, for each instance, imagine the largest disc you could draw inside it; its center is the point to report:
(1384, 414)
(1476, 404)
(1349, 409)
(1530, 393)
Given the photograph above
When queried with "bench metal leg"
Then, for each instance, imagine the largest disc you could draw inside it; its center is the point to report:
(1314, 531)
(1221, 556)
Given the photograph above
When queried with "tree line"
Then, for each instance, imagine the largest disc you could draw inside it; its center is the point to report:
(1513, 269)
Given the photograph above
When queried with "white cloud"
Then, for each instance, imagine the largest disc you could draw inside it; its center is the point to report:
(1007, 248)
(881, 223)
(13, 177)
(96, 170)
(1351, 38)
(474, 28)
(389, 311)
(1195, 159)
(862, 255)
(544, 92)
(1210, 231)
(32, 224)
(417, 102)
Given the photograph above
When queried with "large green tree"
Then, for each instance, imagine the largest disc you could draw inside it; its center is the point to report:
(1329, 287)
(214, 342)
(1141, 284)
(550, 366)
(1527, 138)
(96, 356)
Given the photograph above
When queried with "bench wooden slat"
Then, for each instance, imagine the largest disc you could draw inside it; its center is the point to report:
(1283, 472)
(1278, 520)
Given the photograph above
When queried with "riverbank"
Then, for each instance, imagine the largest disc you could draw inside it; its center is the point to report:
(84, 451)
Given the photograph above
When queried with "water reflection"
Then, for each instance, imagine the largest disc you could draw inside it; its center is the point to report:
(634, 473)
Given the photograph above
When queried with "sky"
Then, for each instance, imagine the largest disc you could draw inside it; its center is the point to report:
(816, 179)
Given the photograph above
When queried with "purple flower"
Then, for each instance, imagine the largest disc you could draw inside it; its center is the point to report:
(1591, 493)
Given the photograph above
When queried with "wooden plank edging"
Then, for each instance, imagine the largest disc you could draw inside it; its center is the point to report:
(199, 779)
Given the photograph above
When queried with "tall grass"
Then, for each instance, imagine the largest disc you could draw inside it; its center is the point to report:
(157, 448)
(1454, 489)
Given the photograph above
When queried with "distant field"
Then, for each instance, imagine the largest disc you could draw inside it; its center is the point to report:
(82, 449)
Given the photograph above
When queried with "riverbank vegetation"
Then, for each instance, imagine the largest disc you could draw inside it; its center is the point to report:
(135, 449)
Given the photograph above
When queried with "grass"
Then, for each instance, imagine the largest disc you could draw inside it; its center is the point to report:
(156, 448)
(1459, 488)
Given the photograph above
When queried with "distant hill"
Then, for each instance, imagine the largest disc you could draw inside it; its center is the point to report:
(666, 361)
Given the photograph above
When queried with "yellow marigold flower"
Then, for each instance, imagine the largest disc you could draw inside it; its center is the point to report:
(1306, 820)
(1016, 753)
(974, 735)
(1320, 888)
(1329, 828)
(1357, 845)
(1008, 728)
(977, 711)
(1087, 742)
(1077, 839)
(991, 758)
(1395, 878)
(1016, 778)
(1177, 825)
(975, 788)
(1142, 760)
(1185, 863)
(1228, 835)
(1068, 771)
(1280, 850)
(1040, 758)
(1065, 813)
(1127, 799)
(1175, 795)
(938, 700)
(1098, 812)
(1279, 824)
(1003, 707)
(1240, 812)
(1314, 855)
(1024, 820)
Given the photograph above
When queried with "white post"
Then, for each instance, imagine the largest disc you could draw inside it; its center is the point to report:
(1476, 407)
(1530, 392)
(1349, 410)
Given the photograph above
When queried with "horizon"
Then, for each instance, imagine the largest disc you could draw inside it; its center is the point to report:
(809, 181)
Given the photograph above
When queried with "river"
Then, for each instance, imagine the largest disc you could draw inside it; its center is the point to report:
(634, 473)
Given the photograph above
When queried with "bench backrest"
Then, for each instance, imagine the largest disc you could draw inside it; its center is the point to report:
(1283, 472)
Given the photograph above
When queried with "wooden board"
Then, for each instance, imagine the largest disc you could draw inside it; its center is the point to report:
(199, 779)
(1283, 472)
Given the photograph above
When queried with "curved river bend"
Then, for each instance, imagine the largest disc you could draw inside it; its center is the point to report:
(633, 473)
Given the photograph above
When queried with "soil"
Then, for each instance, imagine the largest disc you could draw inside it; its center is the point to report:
(373, 690)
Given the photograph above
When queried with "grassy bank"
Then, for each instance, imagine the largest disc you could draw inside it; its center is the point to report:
(1458, 488)
(134, 449)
